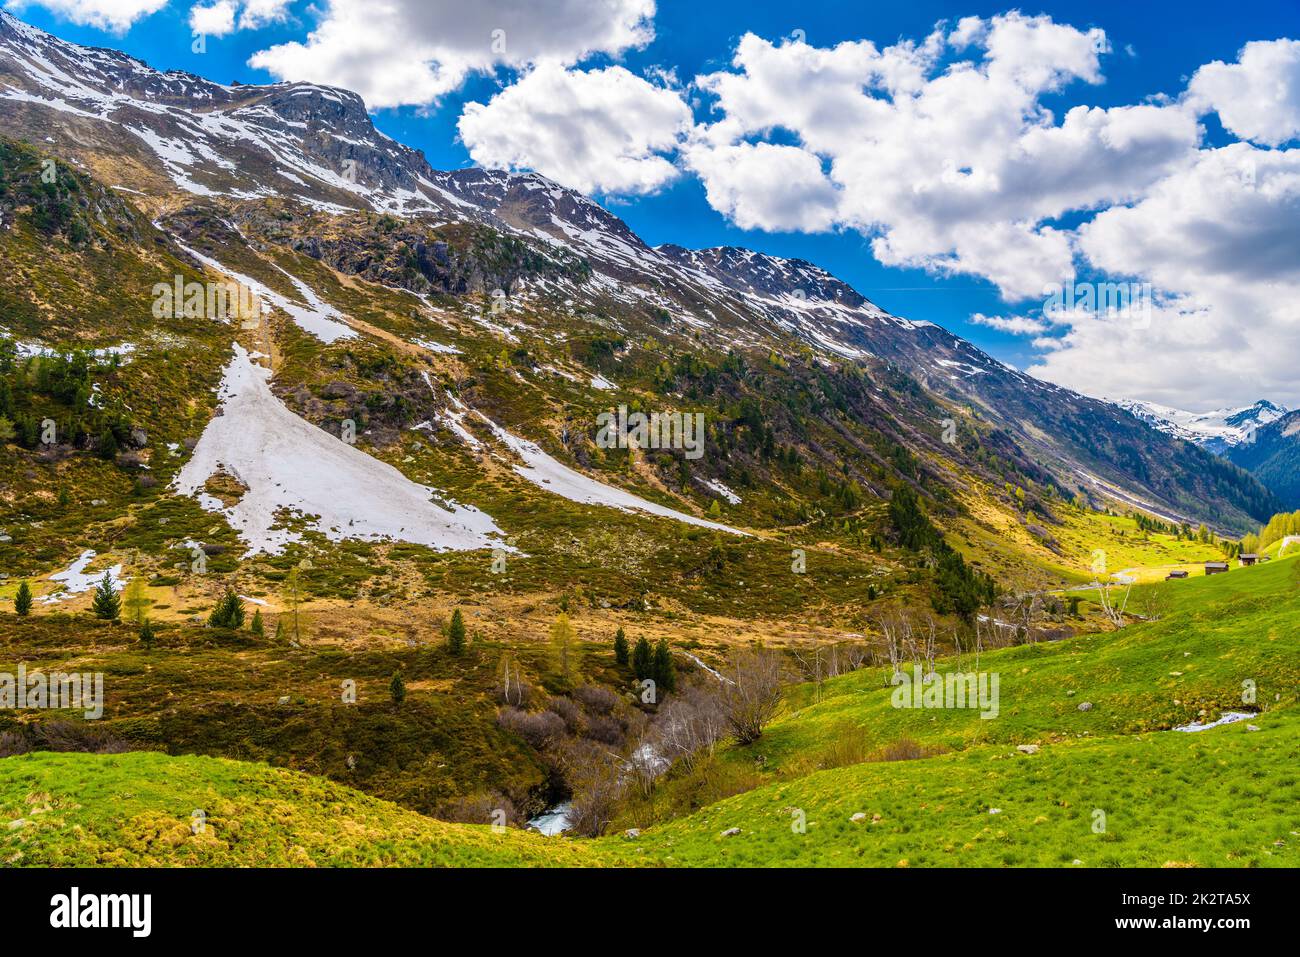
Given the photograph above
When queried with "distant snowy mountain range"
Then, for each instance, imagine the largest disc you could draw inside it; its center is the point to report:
(1217, 431)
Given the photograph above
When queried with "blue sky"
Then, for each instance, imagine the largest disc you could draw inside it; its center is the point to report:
(1153, 49)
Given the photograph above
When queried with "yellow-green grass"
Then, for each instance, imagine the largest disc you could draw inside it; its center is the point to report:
(138, 809)
(1224, 797)
(998, 537)
(1219, 632)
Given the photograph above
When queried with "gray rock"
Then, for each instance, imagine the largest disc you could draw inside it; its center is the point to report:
(731, 832)
(1027, 748)
(1085, 705)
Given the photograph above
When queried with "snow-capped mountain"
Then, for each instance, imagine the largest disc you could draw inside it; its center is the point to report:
(1217, 430)
(175, 141)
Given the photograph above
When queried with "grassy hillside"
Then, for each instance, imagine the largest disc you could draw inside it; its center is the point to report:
(1219, 798)
(136, 809)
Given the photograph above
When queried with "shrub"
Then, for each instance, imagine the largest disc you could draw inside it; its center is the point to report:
(229, 612)
(752, 691)
(597, 699)
(62, 736)
(538, 728)
(569, 713)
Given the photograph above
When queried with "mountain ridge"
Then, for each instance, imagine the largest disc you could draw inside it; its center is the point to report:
(318, 147)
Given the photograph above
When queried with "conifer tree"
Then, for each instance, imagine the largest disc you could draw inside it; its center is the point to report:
(397, 688)
(146, 634)
(456, 634)
(564, 646)
(620, 647)
(107, 604)
(256, 626)
(229, 612)
(23, 600)
(135, 601)
(665, 676)
(643, 659)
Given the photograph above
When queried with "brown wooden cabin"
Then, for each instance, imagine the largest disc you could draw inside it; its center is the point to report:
(1250, 558)
(1176, 574)
(1215, 568)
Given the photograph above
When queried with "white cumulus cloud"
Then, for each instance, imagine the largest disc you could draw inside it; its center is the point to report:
(573, 126)
(412, 52)
(221, 17)
(116, 16)
(940, 148)
(1258, 97)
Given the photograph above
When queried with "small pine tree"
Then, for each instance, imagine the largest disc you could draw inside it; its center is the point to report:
(279, 629)
(146, 634)
(256, 626)
(642, 659)
(456, 634)
(665, 676)
(107, 445)
(566, 653)
(107, 604)
(397, 688)
(715, 510)
(23, 600)
(135, 599)
(620, 647)
(229, 612)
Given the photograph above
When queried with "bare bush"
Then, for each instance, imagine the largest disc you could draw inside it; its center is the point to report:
(511, 688)
(538, 728)
(597, 778)
(606, 730)
(690, 724)
(905, 749)
(569, 713)
(752, 686)
(597, 699)
(62, 736)
(490, 807)
(1152, 602)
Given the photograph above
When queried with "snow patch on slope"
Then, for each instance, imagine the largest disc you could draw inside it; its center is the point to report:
(554, 476)
(74, 580)
(289, 465)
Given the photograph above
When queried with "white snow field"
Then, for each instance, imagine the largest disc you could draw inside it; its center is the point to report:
(319, 318)
(74, 580)
(554, 476)
(289, 464)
